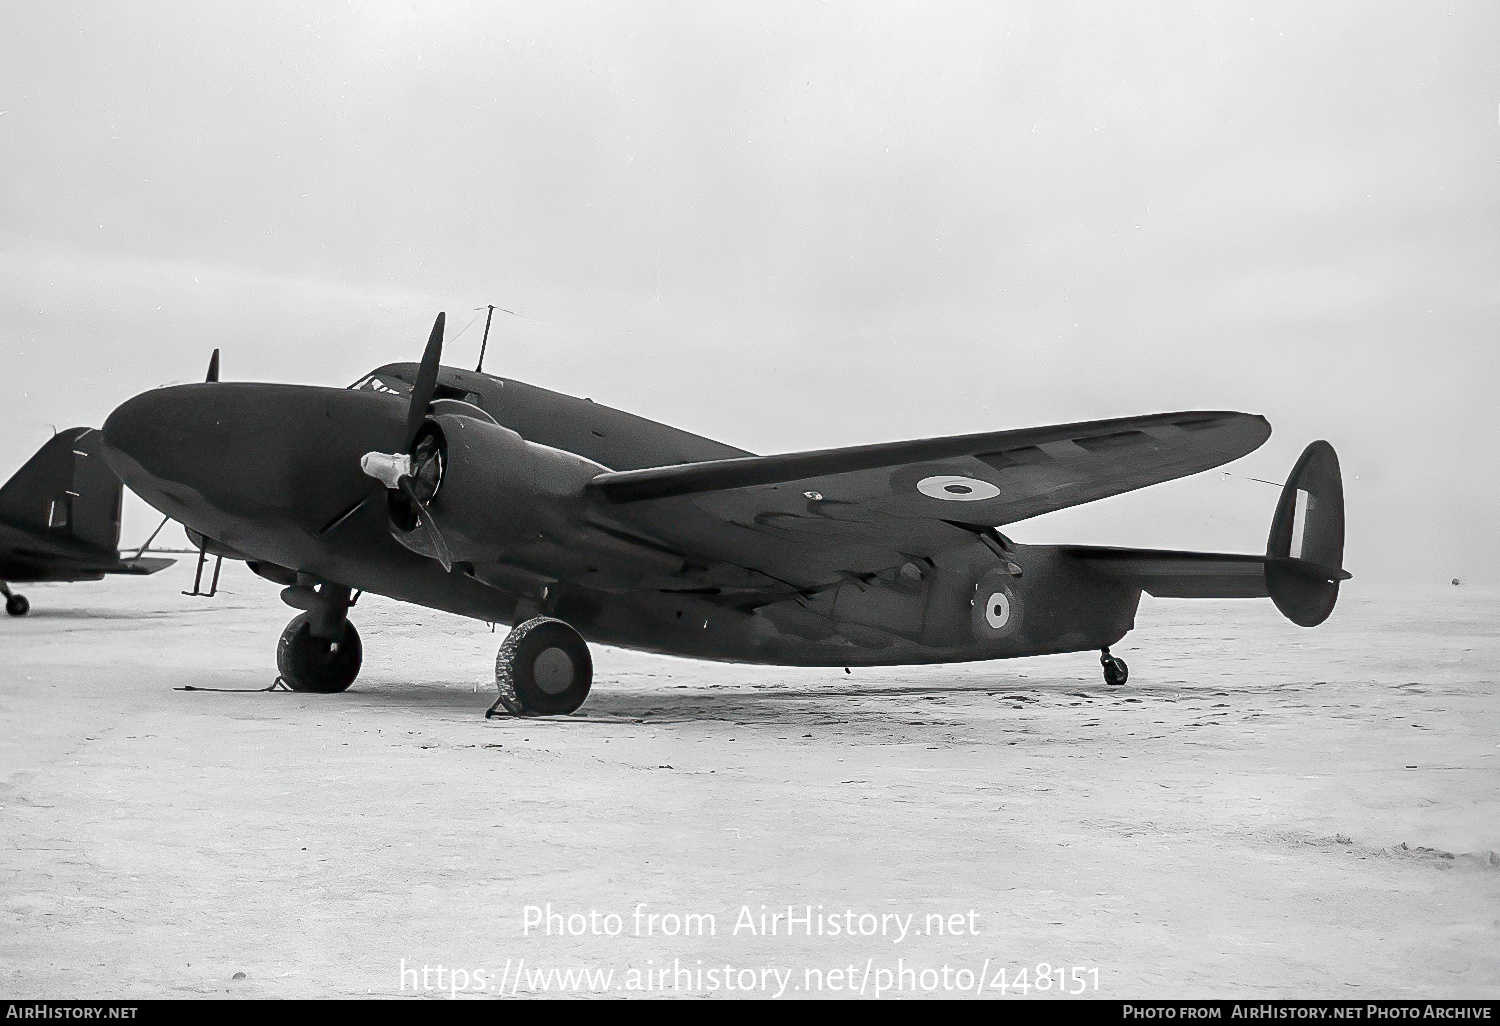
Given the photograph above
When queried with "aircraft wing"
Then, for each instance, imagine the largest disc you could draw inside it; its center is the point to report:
(814, 517)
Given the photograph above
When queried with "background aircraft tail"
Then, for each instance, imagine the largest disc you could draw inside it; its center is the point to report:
(67, 489)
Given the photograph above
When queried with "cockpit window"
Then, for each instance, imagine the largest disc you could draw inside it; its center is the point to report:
(375, 383)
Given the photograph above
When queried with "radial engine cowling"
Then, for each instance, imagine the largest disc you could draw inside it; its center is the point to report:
(485, 485)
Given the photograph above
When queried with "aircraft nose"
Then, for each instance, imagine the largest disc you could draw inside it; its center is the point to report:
(139, 427)
(279, 455)
(160, 445)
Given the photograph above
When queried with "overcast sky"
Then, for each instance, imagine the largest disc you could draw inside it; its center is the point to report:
(792, 226)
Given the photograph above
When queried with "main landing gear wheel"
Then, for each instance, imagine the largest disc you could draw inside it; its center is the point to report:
(1115, 670)
(16, 605)
(542, 668)
(324, 665)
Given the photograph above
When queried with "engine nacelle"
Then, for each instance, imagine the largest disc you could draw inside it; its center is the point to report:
(492, 488)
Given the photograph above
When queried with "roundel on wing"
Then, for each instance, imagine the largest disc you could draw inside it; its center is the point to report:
(997, 607)
(956, 488)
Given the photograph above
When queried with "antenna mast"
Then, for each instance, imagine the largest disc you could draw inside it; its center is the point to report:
(487, 318)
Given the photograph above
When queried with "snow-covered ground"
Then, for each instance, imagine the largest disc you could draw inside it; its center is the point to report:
(1263, 810)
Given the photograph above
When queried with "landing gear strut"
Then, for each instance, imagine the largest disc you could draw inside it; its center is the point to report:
(543, 668)
(1115, 670)
(320, 649)
(15, 605)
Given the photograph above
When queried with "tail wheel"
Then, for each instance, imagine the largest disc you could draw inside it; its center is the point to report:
(1116, 672)
(543, 668)
(324, 665)
(16, 605)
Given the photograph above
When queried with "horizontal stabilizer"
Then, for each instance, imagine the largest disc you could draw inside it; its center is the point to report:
(143, 565)
(1168, 574)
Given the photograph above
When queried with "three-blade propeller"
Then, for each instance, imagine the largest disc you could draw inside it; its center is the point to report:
(400, 471)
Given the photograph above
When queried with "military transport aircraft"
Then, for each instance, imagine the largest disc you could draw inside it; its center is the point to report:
(495, 499)
(60, 519)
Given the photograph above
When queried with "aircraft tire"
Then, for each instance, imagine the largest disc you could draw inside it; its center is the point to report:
(543, 668)
(1116, 672)
(308, 663)
(16, 605)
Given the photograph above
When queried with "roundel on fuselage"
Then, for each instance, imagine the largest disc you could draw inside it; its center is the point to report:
(997, 606)
(997, 610)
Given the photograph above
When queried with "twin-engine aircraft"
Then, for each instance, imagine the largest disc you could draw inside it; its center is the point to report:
(60, 519)
(495, 499)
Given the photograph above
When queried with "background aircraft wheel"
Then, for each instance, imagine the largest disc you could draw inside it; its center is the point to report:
(543, 667)
(16, 605)
(309, 663)
(1115, 670)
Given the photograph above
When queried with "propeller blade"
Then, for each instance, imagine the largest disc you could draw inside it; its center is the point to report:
(439, 544)
(421, 393)
(213, 367)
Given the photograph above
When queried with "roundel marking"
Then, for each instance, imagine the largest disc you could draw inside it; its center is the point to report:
(997, 610)
(998, 607)
(955, 488)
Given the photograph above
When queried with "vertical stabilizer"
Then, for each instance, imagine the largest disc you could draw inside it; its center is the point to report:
(66, 488)
(1306, 548)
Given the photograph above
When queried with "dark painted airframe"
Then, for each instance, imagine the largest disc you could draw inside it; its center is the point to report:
(495, 499)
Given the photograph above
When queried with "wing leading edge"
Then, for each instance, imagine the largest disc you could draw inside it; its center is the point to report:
(990, 479)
